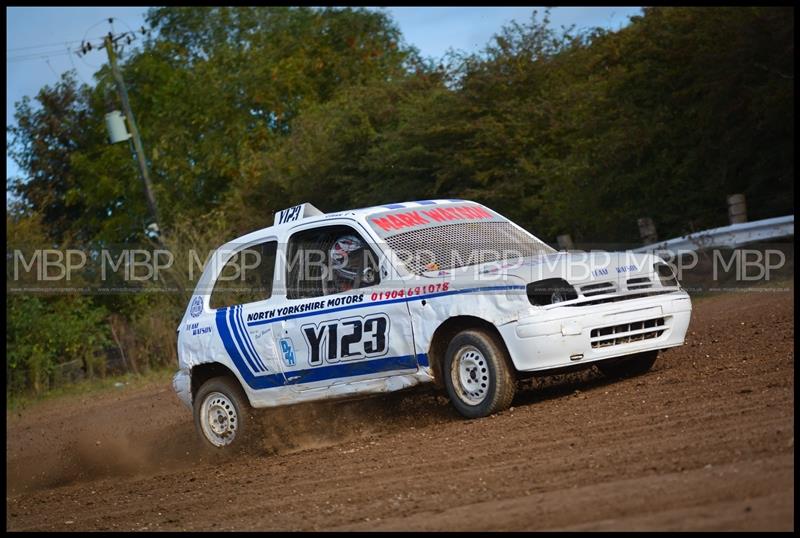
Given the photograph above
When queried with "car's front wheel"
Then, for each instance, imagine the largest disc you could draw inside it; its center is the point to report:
(221, 413)
(478, 376)
(628, 366)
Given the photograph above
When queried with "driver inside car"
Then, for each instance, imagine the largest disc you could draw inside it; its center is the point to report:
(349, 267)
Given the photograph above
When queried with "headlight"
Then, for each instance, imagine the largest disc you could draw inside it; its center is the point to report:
(665, 274)
(550, 291)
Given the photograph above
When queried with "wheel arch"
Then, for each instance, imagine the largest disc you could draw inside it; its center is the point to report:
(447, 330)
(207, 370)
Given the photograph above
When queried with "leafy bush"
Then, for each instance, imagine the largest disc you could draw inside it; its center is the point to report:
(43, 333)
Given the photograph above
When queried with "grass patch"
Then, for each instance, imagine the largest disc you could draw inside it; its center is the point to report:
(15, 402)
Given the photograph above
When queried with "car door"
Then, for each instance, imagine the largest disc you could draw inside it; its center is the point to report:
(329, 336)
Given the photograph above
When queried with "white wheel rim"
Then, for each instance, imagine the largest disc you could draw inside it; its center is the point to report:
(218, 419)
(470, 375)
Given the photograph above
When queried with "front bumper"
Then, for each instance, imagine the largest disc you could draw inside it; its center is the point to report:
(564, 336)
(182, 383)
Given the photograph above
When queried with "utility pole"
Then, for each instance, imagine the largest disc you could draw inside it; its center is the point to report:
(137, 142)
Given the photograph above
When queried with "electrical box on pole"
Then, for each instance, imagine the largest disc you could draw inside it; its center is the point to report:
(115, 125)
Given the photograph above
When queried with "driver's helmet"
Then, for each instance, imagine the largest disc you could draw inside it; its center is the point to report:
(347, 261)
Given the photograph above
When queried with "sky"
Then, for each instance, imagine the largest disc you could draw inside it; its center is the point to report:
(39, 40)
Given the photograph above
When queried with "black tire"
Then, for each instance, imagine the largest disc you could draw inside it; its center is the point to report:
(232, 408)
(486, 369)
(628, 366)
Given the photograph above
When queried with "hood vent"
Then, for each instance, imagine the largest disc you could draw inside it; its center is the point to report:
(598, 289)
(639, 283)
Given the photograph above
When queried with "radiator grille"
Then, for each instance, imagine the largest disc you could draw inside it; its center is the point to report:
(625, 333)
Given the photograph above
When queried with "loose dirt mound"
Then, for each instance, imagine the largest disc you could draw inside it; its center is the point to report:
(704, 441)
(148, 431)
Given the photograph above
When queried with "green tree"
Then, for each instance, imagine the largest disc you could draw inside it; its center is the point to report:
(214, 91)
(670, 114)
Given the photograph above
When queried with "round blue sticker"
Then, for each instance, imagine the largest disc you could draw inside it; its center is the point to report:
(197, 307)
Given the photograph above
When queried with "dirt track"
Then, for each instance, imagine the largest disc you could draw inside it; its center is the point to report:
(704, 441)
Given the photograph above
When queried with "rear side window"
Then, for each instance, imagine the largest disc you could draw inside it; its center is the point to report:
(247, 276)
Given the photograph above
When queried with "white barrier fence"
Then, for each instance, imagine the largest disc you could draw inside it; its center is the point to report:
(732, 236)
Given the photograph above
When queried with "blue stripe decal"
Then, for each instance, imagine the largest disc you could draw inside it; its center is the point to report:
(389, 301)
(364, 367)
(247, 342)
(237, 338)
(394, 206)
(351, 369)
(426, 202)
(230, 347)
(335, 371)
(250, 340)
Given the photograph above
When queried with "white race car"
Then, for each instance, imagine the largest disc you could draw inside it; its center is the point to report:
(321, 306)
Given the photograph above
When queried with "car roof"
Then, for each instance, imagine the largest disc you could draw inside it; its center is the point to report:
(371, 210)
(317, 216)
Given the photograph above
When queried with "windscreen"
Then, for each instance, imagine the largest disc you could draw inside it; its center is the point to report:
(447, 236)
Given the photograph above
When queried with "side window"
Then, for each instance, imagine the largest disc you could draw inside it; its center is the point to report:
(328, 260)
(246, 277)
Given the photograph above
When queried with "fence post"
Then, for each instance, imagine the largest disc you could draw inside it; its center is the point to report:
(737, 208)
(565, 242)
(647, 230)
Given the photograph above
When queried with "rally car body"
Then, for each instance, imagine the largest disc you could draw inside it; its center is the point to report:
(300, 344)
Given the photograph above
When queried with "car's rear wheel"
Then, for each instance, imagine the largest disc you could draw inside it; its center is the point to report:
(628, 366)
(222, 413)
(477, 374)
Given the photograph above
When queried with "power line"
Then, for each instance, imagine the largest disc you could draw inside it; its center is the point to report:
(51, 67)
(49, 45)
(36, 56)
(86, 46)
(42, 46)
(36, 53)
(72, 62)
